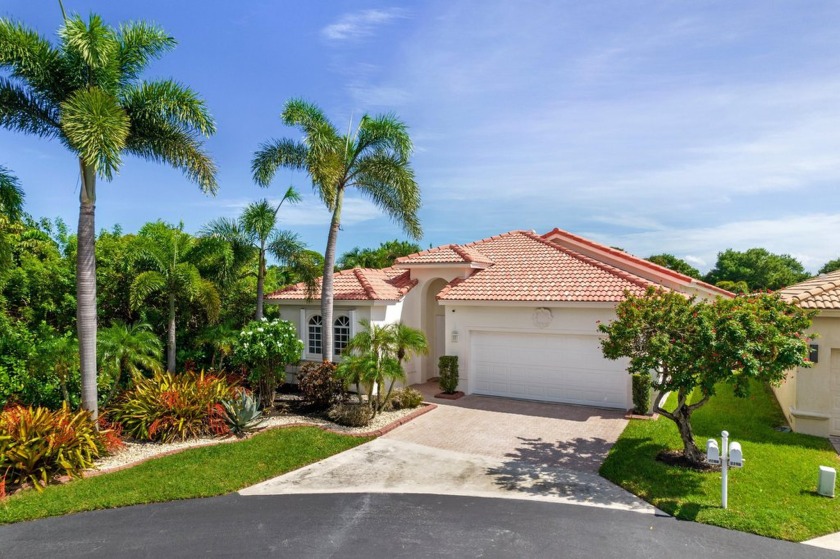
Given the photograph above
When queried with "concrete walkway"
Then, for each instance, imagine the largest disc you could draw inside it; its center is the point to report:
(480, 447)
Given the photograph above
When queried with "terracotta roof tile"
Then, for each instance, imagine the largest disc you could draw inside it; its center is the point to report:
(358, 284)
(820, 292)
(445, 254)
(529, 268)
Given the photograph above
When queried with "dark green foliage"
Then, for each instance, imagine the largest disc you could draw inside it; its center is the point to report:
(318, 384)
(830, 266)
(759, 269)
(242, 413)
(448, 373)
(405, 398)
(381, 257)
(351, 414)
(677, 264)
(641, 393)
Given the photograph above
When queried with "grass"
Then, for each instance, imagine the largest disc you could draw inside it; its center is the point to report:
(774, 494)
(197, 472)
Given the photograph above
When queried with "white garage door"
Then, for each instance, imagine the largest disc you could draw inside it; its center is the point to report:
(550, 367)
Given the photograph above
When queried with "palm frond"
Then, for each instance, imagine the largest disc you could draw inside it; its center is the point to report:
(11, 195)
(94, 42)
(384, 132)
(33, 60)
(275, 154)
(139, 43)
(22, 111)
(170, 101)
(97, 128)
(390, 184)
(157, 140)
(144, 285)
(286, 246)
(258, 220)
(210, 299)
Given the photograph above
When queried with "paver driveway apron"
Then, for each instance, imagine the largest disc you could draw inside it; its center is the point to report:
(479, 446)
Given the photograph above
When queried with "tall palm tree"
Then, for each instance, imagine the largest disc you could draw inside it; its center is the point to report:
(128, 348)
(171, 254)
(11, 195)
(257, 229)
(87, 93)
(373, 159)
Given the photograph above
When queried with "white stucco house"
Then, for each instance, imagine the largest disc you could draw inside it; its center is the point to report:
(520, 310)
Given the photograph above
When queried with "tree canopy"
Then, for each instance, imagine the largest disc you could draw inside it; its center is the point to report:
(830, 266)
(381, 257)
(677, 264)
(758, 268)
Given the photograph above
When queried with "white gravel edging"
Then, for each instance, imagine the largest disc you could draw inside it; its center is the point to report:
(135, 452)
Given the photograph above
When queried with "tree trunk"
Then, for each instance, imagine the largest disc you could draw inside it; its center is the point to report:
(682, 417)
(170, 337)
(260, 282)
(327, 291)
(86, 288)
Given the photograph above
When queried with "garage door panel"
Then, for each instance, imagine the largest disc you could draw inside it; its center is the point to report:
(560, 368)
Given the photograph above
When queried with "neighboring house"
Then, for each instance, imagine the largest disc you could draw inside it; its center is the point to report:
(520, 310)
(810, 397)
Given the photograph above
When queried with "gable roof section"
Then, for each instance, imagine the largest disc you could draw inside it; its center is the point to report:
(529, 268)
(357, 284)
(633, 264)
(445, 254)
(821, 292)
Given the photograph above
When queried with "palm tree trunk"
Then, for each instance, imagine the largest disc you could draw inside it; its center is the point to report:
(260, 283)
(170, 338)
(86, 288)
(327, 292)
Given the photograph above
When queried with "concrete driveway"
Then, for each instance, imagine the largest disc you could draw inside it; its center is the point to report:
(479, 446)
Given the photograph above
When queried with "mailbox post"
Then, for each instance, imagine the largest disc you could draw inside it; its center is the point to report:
(726, 456)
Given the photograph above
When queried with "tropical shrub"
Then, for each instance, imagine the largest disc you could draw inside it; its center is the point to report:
(242, 413)
(318, 384)
(265, 348)
(448, 373)
(351, 414)
(170, 407)
(405, 398)
(641, 393)
(39, 444)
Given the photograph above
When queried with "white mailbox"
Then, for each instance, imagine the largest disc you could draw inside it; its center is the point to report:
(712, 452)
(736, 457)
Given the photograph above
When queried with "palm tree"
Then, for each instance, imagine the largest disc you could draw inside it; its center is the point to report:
(374, 160)
(86, 92)
(128, 348)
(11, 195)
(408, 342)
(171, 254)
(257, 229)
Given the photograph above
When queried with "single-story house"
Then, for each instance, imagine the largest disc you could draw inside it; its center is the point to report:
(810, 397)
(520, 310)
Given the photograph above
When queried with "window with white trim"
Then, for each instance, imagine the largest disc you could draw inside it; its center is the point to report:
(314, 337)
(341, 333)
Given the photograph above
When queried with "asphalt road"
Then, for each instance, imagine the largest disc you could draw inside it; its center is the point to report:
(374, 526)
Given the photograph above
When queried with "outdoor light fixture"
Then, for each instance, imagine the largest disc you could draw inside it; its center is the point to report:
(454, 336)
(814, 353)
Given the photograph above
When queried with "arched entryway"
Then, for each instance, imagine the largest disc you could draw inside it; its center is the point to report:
(434, 321)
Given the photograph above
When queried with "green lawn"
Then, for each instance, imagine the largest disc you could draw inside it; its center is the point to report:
(773, 495)
(198, 472)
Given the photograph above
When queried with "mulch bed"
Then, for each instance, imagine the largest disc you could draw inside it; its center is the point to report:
(453, 396)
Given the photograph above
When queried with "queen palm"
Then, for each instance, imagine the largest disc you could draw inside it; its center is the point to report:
(128, 349)
(256, 229)
(86, 92)
(171, 256)
(373, 159)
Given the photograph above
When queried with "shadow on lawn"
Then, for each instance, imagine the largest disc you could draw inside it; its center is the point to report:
(565, 469)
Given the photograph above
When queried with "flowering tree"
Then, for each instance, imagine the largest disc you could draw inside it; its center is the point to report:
(265, 348)
(691, 345)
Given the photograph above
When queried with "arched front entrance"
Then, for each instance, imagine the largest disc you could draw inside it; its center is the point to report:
(434, 326)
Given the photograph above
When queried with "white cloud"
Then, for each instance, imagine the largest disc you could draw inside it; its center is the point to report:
(351, 27)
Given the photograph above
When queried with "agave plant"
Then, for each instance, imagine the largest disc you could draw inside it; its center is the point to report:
(242, 413)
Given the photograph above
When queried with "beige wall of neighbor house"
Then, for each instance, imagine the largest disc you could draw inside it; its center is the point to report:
(810, 397)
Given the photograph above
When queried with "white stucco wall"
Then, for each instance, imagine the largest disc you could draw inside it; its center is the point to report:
(807, 395)
(581, 319)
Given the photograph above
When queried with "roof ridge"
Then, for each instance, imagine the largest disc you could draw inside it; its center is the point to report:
(366, 285)
(632, 278)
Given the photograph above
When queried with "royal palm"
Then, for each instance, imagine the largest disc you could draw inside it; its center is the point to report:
(373, 159)
(86, 92)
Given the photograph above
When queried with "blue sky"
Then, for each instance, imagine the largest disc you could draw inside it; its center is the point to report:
(682, 127)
